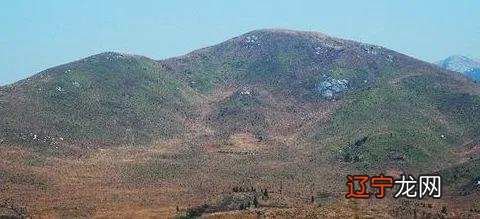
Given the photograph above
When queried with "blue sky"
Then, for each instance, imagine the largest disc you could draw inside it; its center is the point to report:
(35, 35)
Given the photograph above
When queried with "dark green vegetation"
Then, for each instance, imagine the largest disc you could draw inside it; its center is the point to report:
(396, 110)
(464, 178)
(242, 112)
(415, 121)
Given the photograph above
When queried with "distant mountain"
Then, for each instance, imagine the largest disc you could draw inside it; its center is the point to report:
(462, 64)
(474, 74)
(360, 103)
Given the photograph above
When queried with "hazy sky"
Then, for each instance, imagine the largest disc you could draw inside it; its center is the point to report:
(35, 35)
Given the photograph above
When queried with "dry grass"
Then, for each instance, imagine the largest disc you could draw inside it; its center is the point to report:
(99, 184)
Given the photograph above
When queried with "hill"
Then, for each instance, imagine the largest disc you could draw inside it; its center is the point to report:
(462, 64)
(291, 111)
(281, 79)
(402, 106)
(107, 98)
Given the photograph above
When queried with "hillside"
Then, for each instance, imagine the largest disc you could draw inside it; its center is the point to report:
(286, 110)
(469, 67)
(103, 99)
(474, 74)
(402, 106)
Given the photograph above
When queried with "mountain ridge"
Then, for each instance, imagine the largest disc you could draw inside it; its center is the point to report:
(122, 99)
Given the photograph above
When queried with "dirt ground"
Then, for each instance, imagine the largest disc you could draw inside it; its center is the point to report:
(165, 181)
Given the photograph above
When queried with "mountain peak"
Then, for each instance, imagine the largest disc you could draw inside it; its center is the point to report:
(262, 44)
(110, 55)
(279, 33)
(286, 31)
(459, 63)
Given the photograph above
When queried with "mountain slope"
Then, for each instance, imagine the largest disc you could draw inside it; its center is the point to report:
(474, 74)
(286, 111)
(107, 98)
(337, 99)
(458, 63)
(462, 64)
(402, 106)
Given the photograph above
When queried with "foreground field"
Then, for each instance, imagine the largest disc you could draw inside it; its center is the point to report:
(159, 183)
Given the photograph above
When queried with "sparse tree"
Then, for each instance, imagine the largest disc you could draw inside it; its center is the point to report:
(265, 193)
(444, 210)
(255, 201)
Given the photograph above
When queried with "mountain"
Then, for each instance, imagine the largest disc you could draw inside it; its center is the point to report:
(267, 109)
(474, 74)
(106, 98)
(282, 83)
(462, 64)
